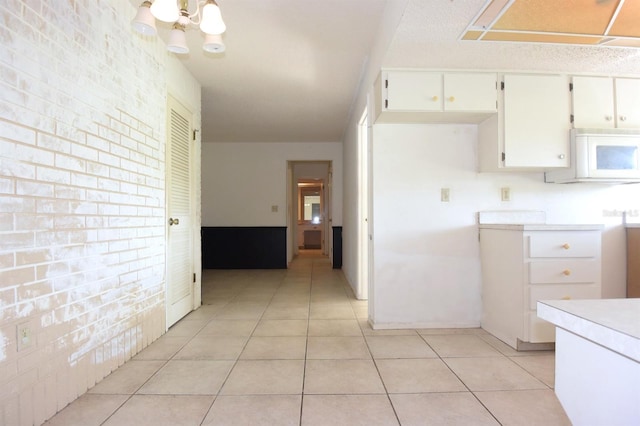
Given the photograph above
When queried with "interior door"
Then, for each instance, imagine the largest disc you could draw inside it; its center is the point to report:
(180, 280)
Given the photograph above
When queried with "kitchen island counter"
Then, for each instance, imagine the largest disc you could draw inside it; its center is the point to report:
(597, 359)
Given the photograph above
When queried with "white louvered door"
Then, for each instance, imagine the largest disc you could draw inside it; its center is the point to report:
(179, 214)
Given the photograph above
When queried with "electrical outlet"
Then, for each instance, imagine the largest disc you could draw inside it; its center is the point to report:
(445, 195)
(505, 194)
(23, 335)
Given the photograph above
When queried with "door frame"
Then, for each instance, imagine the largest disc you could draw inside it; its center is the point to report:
(292, 207)
(364, 207)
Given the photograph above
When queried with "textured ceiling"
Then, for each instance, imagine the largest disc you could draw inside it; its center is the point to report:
(292, 67)
(429, 36)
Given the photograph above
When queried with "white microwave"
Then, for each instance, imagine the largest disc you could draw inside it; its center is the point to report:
(601, 156)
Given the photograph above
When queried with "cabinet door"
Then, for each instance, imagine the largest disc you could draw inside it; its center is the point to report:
(593, 102)
(628, 103)
(536, 121)
(414, 91)
(470, 92)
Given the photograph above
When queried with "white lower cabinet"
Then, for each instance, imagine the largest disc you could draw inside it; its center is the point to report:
(522, 264)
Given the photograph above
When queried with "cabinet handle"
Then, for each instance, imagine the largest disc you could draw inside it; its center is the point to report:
(434, 99)
(566, 246)
(608, 117)
(623, 117)
(561, 156)
(566, 272)
(566, 298)
(452, 98)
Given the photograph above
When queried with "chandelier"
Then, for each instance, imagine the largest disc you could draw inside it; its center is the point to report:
(207, 16)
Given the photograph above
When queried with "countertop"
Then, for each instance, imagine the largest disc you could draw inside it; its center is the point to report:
(541, 227)
(632, 225)
(612, 323)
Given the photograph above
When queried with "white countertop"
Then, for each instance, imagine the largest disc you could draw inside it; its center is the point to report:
(541, 227)
(612, 323)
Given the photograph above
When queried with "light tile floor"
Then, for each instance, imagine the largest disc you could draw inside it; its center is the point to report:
(293, 347)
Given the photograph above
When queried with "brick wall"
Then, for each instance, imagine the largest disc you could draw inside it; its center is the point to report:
(82, 197)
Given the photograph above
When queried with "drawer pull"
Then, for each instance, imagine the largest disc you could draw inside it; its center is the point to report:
(566, 272)
(434, 99)
(566, 246)
(566, 298)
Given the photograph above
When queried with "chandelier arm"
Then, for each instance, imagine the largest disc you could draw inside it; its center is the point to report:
(199, 5)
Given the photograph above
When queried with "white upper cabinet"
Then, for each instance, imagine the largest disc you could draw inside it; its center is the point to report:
(628, 103)
(435, 97)
(531, 132)
(606, 103)
(470, 92)
(413, 91)
(536, 121)
(593, 102)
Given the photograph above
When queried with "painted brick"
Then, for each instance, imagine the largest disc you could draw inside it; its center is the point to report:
(82, 142)
(32, 257)
(85, 152)
(9, 167)
(7, 260)
(7, 186)
(17, 240)
(34, 189)
(70, 192)
(48, 174)
(70, 133)
(12, 131)
(109, 159)
(33, 222)
(53, 143)
(47, 206)
(8, 368)
(97, 142)
(69, 162)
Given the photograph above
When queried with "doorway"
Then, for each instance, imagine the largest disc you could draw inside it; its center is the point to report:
(309, 207)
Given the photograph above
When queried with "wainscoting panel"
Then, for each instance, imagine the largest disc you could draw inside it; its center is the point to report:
(255, 247)
(337, 247)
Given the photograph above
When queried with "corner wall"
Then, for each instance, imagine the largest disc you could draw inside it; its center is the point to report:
(82, 197)
(427, 254)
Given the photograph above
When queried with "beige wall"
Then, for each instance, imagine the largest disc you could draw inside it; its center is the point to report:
(82, 197)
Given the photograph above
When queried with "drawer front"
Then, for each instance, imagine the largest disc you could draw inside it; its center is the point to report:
(564, 244)
(540, 331)
(564, 271)
(564, 291)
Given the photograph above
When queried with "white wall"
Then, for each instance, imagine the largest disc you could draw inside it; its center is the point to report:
(427, 261)
(242, 181)
(82, 197)
(392, 15)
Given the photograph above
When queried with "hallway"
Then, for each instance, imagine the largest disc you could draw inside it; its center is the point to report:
(291, 347)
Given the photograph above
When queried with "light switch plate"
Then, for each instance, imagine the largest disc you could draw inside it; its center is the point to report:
(445, 195)
(24, 336)
(505, 194)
